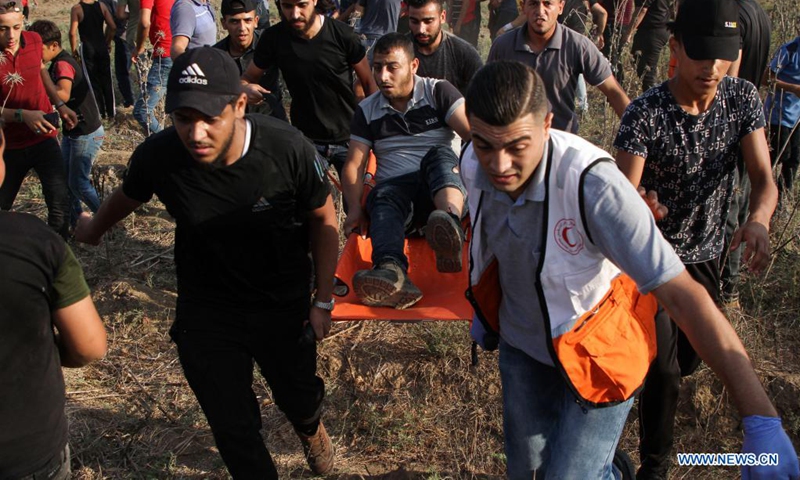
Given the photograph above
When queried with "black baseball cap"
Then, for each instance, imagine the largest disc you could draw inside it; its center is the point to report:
(235, 7)
(204, 79)
(709, 29)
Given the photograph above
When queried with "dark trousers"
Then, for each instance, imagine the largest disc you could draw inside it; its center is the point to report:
(612, 49)
(45, 159)
(98, 66)
(217, 350)
(122, 69)
(790, 159)
(646, 49)
(659, 398)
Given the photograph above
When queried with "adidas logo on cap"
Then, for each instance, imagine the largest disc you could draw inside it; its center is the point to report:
(193, 74)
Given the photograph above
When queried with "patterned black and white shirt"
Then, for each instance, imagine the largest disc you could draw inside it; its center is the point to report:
(690, 160)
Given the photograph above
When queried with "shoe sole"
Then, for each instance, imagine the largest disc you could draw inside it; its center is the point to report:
(444, 238)
(379, 292)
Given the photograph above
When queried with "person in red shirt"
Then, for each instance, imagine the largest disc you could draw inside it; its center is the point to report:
(26, 8)
(153, 24)
(28, 97)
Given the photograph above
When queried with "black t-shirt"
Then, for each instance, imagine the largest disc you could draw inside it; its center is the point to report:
(38, 274)
(690, 160)
(319, 75)
(754, 28)
(241, 240)
(657, 14)
(455, 61)
(81, 99)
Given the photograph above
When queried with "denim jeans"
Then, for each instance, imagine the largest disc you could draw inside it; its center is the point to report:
(154, 91)
(45, 159)
(547, 433)
(394, 201)
(79, 154)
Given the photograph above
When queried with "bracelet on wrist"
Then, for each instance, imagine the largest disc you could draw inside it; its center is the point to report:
(18, 115)
(61, 104)
(328, 306)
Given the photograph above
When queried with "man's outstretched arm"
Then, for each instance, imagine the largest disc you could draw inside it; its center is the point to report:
(717, 343)
(90, 229)
(616, 96)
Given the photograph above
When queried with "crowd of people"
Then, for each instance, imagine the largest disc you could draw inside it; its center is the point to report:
(598, 277)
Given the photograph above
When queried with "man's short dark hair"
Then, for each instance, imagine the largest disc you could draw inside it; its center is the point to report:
(502, 92)
(422, 3)
(47, 30)
(392, 41)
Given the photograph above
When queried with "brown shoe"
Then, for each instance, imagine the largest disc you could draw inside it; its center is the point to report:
(446, 238)
(318, 450)
(386, 286)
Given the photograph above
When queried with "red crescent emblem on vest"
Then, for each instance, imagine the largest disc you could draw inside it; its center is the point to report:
(567, 237)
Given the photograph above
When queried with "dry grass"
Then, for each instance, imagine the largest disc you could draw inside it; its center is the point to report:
(403, 400)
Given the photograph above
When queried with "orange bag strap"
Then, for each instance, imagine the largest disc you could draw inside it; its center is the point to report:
(477, 296)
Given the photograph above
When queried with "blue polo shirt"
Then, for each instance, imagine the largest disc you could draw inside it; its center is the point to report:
(783, 108)
(194, 19)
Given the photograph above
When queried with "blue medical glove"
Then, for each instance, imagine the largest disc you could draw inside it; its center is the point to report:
(766, 435)
(478, 332)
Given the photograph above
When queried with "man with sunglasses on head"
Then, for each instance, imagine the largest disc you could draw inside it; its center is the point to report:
(31, 121)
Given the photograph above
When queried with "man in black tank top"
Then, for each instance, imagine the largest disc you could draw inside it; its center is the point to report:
(86, 19)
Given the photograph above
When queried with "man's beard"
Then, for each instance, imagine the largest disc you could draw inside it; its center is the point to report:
(431, 39)
(219, 162)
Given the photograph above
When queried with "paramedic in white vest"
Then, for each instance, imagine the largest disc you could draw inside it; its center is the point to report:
(561, 221)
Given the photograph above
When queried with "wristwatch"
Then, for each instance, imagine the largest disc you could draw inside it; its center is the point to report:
(324, 305)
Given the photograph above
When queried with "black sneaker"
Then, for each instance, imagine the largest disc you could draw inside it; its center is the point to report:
(386, 286)
(446, 238)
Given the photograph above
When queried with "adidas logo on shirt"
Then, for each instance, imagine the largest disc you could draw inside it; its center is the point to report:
(193, 74)
(261, 205)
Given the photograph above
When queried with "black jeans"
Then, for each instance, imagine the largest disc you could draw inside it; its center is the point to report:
(45, 159)
(659, 399)
(646, 49)
(217, 350)
(122, 69)
(97, 62)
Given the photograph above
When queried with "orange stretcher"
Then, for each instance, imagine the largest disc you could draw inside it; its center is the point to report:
(443, 293)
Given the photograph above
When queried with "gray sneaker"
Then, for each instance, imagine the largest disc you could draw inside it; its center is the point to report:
(446, 238)
(386, 286)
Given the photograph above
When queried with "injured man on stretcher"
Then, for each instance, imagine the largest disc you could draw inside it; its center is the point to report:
(408, 125)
